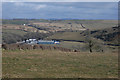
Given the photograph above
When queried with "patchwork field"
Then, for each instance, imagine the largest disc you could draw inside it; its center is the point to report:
(57, 64)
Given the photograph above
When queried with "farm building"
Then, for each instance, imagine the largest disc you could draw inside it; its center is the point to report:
(34, 41)
(47, 42)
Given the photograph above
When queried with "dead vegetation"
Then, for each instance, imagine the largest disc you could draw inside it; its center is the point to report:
(31, 47)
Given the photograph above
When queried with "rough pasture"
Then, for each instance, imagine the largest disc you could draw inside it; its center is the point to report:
(31, 47)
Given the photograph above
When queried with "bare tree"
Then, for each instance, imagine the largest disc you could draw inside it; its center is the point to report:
(90, 44)
(89, 41)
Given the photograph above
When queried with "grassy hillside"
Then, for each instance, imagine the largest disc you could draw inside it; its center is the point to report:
(62, 29)
(65, 24)
(92, 24)
(67, 36)
(16, 35)
(108, 35)
(14, 31)
(101, 24)
(57, 64)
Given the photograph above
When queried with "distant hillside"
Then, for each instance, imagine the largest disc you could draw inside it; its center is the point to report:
(91, 24)
(109, 35)
(16, 22)
(67, 36)
(16, 35)
(61, 29)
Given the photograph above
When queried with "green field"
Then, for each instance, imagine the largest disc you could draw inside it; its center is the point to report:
(57, 64)
(14, 31)
(68, 36)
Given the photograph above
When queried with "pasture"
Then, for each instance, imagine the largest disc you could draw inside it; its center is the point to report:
(53, 63)
(58, 64)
